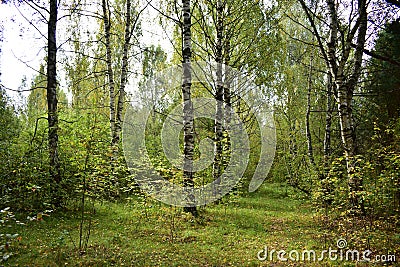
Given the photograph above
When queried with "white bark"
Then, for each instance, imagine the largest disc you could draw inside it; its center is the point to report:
(188, 117)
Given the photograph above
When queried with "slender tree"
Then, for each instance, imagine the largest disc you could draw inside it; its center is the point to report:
(344, 65)
(219, 94)
(188, 117)
(223, 36)
(154, 59)
(52, 98)
(310, 151)
(117, 94)
(328, 121)
(110, 71)
(129, 28)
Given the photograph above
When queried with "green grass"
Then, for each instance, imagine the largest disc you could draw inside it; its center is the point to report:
(137, 233)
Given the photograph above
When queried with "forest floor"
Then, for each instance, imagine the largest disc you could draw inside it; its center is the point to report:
(140, 232)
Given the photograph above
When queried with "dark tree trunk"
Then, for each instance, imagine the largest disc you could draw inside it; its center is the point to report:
(349, 138)
(308, 112)
(227, 84)
(228, 106)
(52, 101)
(328, 122)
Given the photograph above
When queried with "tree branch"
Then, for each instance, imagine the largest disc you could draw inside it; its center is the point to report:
(380, 57)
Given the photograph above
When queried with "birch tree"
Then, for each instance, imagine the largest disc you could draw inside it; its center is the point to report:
(219, 94)
(344, 63)
(223, 36)
(188, 117)
(117, 92)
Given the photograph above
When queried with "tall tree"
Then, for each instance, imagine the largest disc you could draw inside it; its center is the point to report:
(52, 97)
(310, 151)
(223, 36)
(344, 64)
(219, 94)
(129, 28)
(188, 117)
(117, 94)
(110, 71)
(328, 120)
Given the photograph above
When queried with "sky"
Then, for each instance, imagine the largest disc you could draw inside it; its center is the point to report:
(20, 45)
(23, 45)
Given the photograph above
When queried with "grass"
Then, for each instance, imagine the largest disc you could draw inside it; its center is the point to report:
(146, 233)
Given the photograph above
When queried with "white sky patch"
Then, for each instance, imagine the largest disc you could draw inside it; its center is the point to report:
(23, 47)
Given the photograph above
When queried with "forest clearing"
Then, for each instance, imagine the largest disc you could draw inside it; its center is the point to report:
(199, 133)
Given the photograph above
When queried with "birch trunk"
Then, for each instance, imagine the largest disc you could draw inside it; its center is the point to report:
(324, 174)
(219, 96)
(340, 68)
(124, 76)
(188, 127)
(110, 73)
(345, 89)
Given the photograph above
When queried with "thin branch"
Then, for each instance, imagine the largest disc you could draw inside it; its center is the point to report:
(36, 7)
(377, 56)
(36, 126)
(26, 64)
(312, 22)
(162, 13)
(30, 22)
(24, 90)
